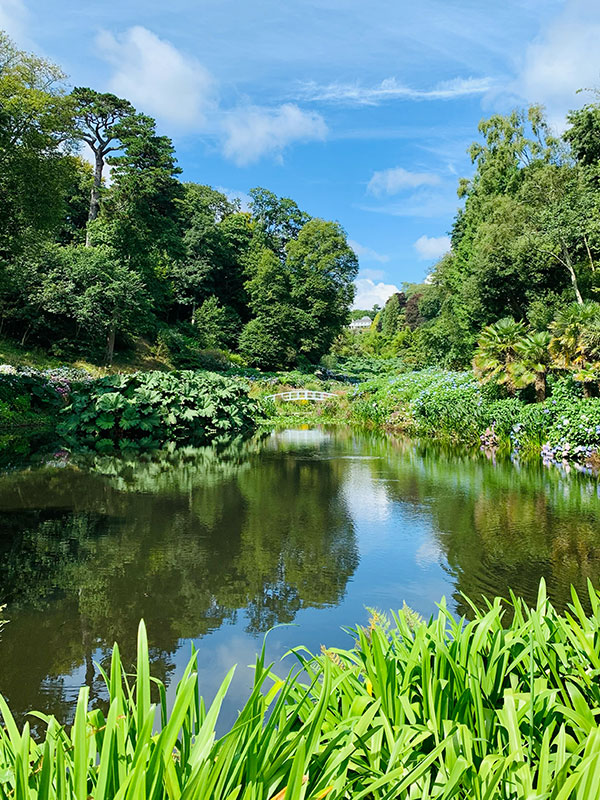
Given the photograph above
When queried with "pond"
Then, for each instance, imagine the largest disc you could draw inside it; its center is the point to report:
(216, 546)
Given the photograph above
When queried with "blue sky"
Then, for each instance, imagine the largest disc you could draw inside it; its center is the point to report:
(361, 112)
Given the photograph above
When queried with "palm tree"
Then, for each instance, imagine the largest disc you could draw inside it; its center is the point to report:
(496, 352)
(575, 342)
(532, 362)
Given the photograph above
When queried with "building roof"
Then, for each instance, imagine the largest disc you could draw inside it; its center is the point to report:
(363, 322)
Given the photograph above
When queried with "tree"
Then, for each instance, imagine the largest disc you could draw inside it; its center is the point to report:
(216, 237)
(218, 326)
(140, 220)
(575, 342)
(532, 362)
(102, 121)
(142, 202)
(497, 351)
(526, 232)
(35, 139)
(279, 217)
(270, 340)
(391, 314)
(413, 316)
(321, 268)
(584, 134)
(267, 340)
(96, 292)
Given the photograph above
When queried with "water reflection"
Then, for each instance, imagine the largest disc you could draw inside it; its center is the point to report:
(184, 540)
(219, 545)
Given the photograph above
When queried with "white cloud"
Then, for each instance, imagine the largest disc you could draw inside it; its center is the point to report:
(432, 247)
(233, 194)
(179, 91)
(391, 181)
(253, 131)
(391, 89)
(369, 293)
(564, 58)
(157, 78)
(13, 19)
(423, 203)
(366, 252)
(373, 274)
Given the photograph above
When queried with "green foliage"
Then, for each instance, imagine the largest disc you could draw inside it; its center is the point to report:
(575, 342)
(440, 709)
(35, 135)
(391, 315)
(267, 340)
(323, 268)
(217, 325)
(526, 242)
(87, 292)
(430, 401)
(507, 353)
(301, 303)
(185, 347)
(146, 410)
(496, 351)
(158, 253)
(565, 427)
(279, 217)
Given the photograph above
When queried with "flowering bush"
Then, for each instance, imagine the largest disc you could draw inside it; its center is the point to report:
(454, 405)
(430, 401)
(28, 396)
(575, 431)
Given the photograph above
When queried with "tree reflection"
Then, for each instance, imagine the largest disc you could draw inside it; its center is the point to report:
(187, 540)
(500, 527)
(193, 539)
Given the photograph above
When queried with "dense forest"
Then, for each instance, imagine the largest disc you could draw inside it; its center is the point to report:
(524, 263)
(95, 255)
(98, 254)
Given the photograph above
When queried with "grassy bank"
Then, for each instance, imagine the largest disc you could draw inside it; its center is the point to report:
(455, 407)
(440, 404)
(415, 709)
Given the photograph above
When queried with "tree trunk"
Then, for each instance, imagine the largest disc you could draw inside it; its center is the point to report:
(573, 275)
(540, 387)
(25, 335)
(95, 193)
(110, 343)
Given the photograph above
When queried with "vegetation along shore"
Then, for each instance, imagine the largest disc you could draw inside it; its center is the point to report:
(497, 707)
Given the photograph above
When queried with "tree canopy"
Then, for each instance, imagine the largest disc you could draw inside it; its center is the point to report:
(92, 256)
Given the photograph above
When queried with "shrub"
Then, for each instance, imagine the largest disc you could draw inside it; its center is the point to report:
(530, 431)
(456, 406)
(27, 395)
(503, 415)
(447, 403)
(145, 410)
(575, 430)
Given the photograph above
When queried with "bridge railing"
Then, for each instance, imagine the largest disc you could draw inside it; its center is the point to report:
(300, 394)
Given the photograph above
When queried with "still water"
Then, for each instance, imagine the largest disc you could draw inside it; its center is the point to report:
(298, 529)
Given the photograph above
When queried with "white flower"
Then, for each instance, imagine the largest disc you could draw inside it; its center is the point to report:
(7, 369)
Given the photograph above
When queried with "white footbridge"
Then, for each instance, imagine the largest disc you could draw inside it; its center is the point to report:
(301, 394)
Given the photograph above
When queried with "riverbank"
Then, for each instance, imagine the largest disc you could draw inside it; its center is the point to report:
(414, 709)
(433, 403)
(456, 408)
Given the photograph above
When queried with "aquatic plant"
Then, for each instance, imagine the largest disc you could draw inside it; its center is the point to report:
(495, 707)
